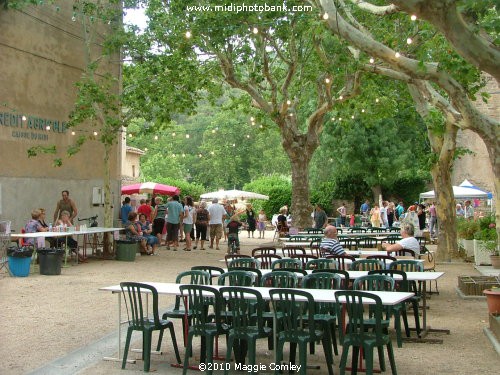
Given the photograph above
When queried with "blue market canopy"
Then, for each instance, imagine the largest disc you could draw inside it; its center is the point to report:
(466, 183)
(459, 192)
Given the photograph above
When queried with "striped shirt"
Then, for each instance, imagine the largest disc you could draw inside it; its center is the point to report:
(331, 246)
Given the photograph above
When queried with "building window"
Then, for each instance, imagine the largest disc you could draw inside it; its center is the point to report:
(133, 170)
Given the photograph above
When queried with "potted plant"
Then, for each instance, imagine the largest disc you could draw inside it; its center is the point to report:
(488, 240)
(493, 300)
(465, 232)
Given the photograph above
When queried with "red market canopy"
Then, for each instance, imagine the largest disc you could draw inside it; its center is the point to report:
(150, 188)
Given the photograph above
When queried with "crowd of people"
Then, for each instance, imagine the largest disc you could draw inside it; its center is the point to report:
(173, 222)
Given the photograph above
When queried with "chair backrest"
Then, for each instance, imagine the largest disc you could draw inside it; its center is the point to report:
(280, 279)
(374, 282)
(342, 273)
(199, 277)
(236, 278)
(393, 238)
(314, 245)
(344, 261)
(385, 259)
(366, 265)
(407, 265)
(298, 238)
(402, 253)
(229, 257)
(137, 305)
(290, 250)
(286, 263)
(394, 229)
(313, 230)
(300, 273)
(255, 271)
(357, 230)
(400, 280)
(349, 243)
(204, 304)
(244, 262)
(304, 258)
(322, 280)
(246, 307)
(429, 259)
(296, 315)
(322, 263)
(266, 260)
(263, 250)
(354, 301)
(368, 242)
(377, 229)
(212, 270)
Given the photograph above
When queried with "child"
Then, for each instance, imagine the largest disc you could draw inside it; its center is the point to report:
(261, 223)
(232, 234)
(352, 220)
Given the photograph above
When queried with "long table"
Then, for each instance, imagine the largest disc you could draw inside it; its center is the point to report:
(319, 295)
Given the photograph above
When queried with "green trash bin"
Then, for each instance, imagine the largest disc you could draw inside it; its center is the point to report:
(126, 250)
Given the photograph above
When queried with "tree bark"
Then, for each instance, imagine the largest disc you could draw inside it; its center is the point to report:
(377, 192)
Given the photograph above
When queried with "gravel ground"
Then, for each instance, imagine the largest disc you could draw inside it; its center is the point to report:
(46, 318)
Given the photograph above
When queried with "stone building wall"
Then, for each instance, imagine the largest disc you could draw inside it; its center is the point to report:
(41, 59)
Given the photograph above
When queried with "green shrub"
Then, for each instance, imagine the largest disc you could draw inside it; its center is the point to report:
(466, 228)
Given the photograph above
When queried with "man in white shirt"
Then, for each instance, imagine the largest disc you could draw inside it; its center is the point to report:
(217, 213)
(407, 241)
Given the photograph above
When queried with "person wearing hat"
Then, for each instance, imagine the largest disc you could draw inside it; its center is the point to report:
(459, 211)
(217, 214)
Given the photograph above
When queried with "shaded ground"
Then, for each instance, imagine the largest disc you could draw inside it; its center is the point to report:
(47, 317)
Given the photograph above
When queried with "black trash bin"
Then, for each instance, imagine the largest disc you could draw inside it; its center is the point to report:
(50, 260)
(126, 250)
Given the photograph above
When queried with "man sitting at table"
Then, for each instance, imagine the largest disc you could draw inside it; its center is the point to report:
(407, 242)
(329, 243)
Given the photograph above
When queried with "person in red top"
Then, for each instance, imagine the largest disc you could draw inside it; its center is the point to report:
(145, 208)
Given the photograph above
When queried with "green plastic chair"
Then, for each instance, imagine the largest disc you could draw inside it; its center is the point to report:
(357, 230)
(322, 263)
(385, 259)
(177, 312)
(212, 270)
(138, 320)
(393, 238)
(326, 313)
(236, 278)
(294, 311)
(205, 306)
(263, 250)
(343, 274)
(229, 257)
(349, 243)
(266, 260)
(368, 242)
(366, 265)
(280, 279)
(304, 258)
(255, 271)
(313, 231)
(286, 263)
(407, 265)
(401, 284)
(357, 334)
(244, 262)
(290, 250)
(344, 260)
(247, 324)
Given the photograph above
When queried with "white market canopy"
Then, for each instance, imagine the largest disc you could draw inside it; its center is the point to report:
(459, 192)
(466, 183)
(233, 194)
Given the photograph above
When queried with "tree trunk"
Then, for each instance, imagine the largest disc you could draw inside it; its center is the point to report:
(447, 244)
(108, 212)
(377, 192)
(301, 205)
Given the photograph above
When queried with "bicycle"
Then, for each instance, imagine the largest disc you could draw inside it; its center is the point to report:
(232, 244)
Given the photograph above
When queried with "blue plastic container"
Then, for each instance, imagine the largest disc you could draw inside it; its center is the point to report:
(19, 267)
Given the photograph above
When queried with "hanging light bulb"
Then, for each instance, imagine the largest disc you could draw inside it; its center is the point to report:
(325, 16)
(156, 137)
(47, 127)
(146, 149)
(333, 118)
(187, 136)
(213, 131)
(397, 55)
(248, 135)
(413, 17)
(200, 155)
(352, 117)
(73, 132)
(24, 118)
(376, 100)
(288, 102)
(362, 111)
(188, 34)
(255, 30)
(173, 134)
(341, 97)
(340, 118)
(409, 41)
(261, 126)
(183, 155)
(173, 155)
(212, 153)
(327, 80)
(252, 119)
(74, 17)
(95, 133)
(130, 135)
(372, 60)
